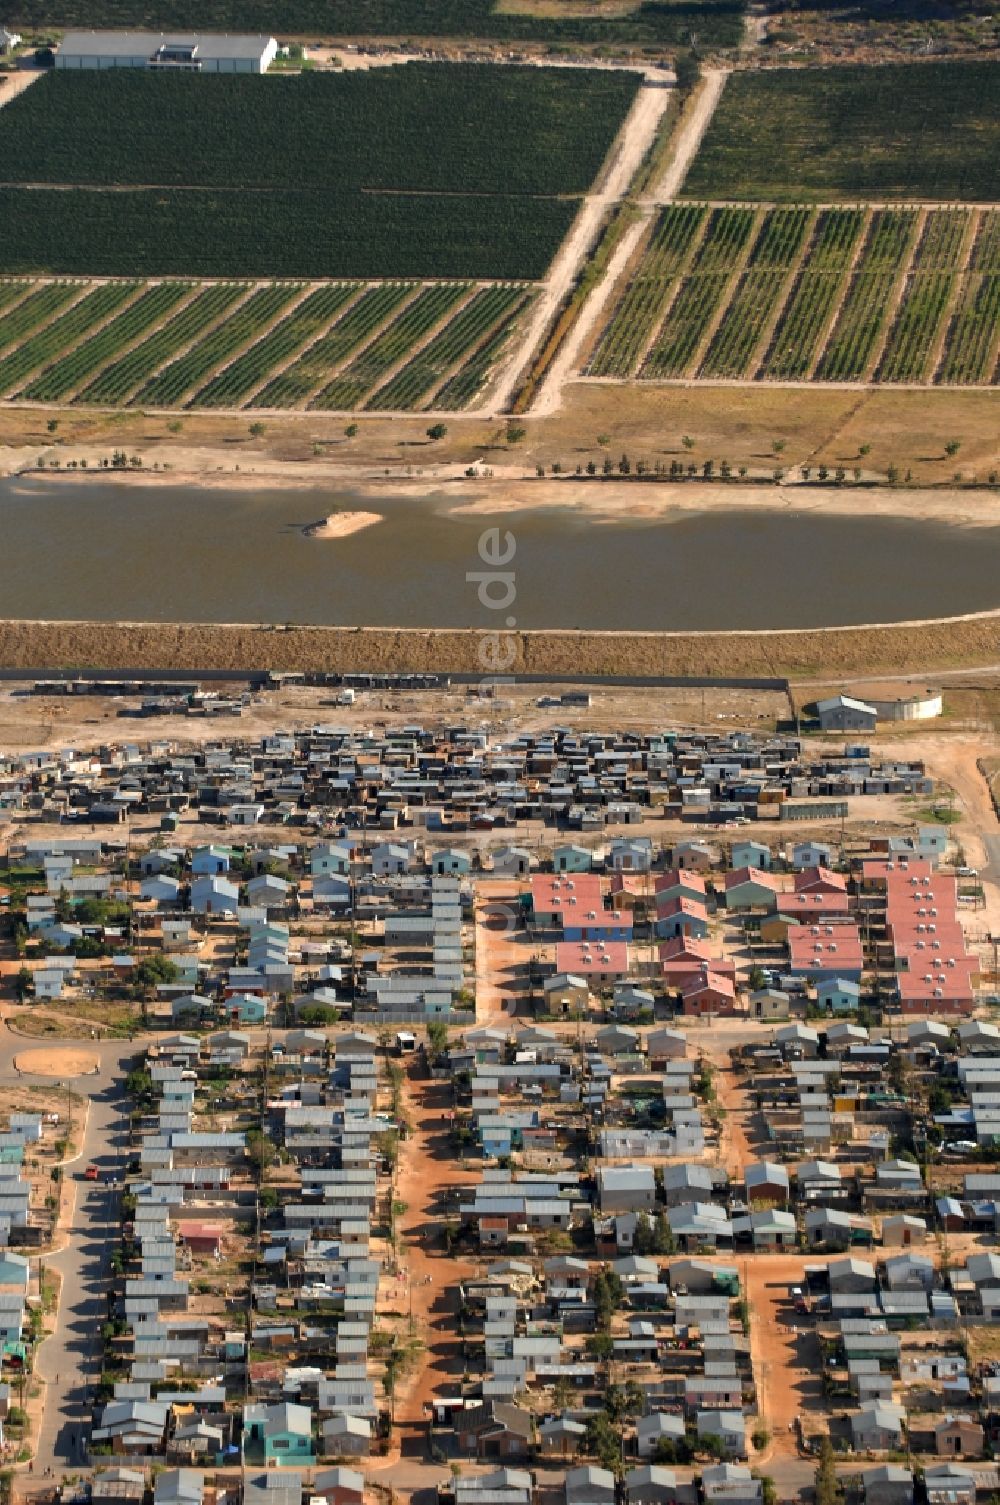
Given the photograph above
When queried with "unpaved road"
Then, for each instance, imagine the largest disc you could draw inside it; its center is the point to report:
(502, 951)
(688, 138)
(634, 140)
(427, 1169)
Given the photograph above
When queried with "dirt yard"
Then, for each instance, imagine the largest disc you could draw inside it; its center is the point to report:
(57, 1061)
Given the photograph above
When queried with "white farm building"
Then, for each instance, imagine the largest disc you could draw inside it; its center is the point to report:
(842, 713)
(187, 52)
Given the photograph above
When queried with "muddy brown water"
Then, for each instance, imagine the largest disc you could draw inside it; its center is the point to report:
(108, 552)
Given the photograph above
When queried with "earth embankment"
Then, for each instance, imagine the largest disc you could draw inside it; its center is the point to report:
(905, 648)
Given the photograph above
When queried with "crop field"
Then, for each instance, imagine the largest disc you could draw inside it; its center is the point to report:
(645, 297)
(401, 130)
(660, 23)
(491, 311)
(868, 297)
(291, 345)
(283, 233)
(848, 295)
(51, 339)
(700, 295)
(971, 347)
(127, 173)
(742, 326)
(368, 369)
(919, 131)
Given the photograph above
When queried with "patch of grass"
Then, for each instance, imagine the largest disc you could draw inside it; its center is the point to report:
(927, 130)
(939, 814)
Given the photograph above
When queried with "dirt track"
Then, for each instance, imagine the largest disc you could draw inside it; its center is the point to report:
(687, 140)
(633, 142)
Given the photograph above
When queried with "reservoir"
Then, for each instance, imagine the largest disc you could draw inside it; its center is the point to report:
(106, 551)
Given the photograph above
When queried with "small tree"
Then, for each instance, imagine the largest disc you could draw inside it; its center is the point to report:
(437, 1038)
(687, 442)
(437, 431)
(350, 431)
(952, 448)
(24, 984)
(604, 1442)
(52, 425)
(260, 1151)
(515, 434)
(687, 69)
(603, 440)
(258, 429)
(827, 1486)
(155, 969)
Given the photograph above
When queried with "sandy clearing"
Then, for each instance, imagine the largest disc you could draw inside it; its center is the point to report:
(633, 141)
(13, 84)
(56, 1062)
(502, 950)
(342, 524)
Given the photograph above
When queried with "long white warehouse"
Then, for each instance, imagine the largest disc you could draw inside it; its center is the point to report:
(188, 52)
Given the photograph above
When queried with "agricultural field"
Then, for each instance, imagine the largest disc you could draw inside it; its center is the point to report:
(702, 292)
(277, 346)
(925, 131)
(287, 233)
(848, 295)
(645, 296)
(660, 23)
(394, 176)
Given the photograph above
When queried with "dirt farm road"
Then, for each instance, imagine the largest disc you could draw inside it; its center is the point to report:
(688, 138)
(634, 140)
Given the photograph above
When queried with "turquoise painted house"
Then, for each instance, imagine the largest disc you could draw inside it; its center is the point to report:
(839, 996)
(572, 859)
(245, 1008)
(280, 1434)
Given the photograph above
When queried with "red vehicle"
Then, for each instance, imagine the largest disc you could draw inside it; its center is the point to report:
(91, 1173)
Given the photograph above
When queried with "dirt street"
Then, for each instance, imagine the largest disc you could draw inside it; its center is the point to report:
(427, 1169)
(502, 950)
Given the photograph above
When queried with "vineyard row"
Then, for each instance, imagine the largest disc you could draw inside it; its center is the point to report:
(845, 294)
(180, 344)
